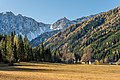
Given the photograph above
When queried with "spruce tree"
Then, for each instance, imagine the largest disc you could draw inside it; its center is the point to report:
(20, 48)
(15, 48)
(31, 58)
(15, 52)
(26, 48)
(3, 49)
(9, 48)
(42, 55)
(48, 55)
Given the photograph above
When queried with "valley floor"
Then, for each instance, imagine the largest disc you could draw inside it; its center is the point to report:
(52, 71)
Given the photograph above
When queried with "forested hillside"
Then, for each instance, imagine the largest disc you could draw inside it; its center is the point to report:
(97, 38)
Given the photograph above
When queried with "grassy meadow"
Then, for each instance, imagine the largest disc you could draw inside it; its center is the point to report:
(54, 71)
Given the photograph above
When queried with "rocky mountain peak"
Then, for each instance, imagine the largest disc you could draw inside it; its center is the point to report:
(22, 25)
(60, 24)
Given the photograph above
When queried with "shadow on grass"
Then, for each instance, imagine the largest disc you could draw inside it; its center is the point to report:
(25, 69)
(30, 65)
(39, 64)
(63, 64)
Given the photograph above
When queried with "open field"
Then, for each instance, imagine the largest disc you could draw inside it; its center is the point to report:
(51, 71)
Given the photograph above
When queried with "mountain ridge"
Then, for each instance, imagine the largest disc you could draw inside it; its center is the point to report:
(22, 25)
(89, 37)
(59, 26)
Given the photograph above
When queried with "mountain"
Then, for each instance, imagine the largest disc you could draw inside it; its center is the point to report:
(10, 22)
(63, 23)
(96, 38)
(42, 38)
(22, 25)
(58, 26)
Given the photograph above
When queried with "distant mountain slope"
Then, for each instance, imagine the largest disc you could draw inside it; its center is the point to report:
(22, 25)
(58, 26)
(42, 38)
(98, 38)
(10, 22)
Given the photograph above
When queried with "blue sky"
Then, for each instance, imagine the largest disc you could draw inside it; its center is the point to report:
(48, 11)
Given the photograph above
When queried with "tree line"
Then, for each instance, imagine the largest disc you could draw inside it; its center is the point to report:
(14, 48)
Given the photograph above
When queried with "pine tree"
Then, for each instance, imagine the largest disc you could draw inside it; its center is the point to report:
(31, 58)
(42, 56)
(15, 48)
(26, 48)
(9, 48)
(48, 55)
(35, 53)
(3, 49)
(15, 52)
(20, 48)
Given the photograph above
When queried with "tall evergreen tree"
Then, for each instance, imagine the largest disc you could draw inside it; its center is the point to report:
(20, 48)
(31, 58)
(48, 55)
(3, 49)
(9, 48)
(15, 48)
(27, 48)
(42, 50)
(15, 52)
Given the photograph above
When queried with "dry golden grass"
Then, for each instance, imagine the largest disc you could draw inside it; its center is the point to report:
(50, 71)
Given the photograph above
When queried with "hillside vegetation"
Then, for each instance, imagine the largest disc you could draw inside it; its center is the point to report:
(97, 38)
